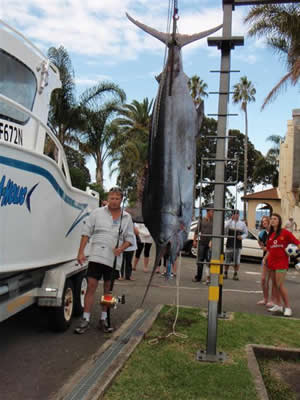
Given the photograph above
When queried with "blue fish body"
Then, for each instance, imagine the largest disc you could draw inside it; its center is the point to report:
(168, 194)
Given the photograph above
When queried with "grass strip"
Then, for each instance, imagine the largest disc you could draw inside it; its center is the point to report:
(169, 369)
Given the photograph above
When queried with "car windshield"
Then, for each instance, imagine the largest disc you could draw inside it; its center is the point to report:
(18, 83)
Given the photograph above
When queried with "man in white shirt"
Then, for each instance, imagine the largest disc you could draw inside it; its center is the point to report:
(105, 227)
(237, 231)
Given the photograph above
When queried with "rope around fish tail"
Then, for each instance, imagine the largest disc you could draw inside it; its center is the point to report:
(159, 252)
(180, 335)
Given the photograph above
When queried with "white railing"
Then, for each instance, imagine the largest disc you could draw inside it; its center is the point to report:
(28, 42)
(61, 159)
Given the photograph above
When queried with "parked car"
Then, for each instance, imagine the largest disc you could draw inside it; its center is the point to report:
(188, 248)
(250, 249)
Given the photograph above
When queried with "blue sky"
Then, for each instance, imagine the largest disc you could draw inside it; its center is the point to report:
(104, 45)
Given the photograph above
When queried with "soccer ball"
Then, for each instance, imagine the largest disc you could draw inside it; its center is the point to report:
(292, 250)
(297, 266)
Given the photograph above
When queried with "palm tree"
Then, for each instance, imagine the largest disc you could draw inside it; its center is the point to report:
(197, 89)
(272, 156)
(96, 135)
(130, 147)
(244, 93)
(63, 116)
(281, 25)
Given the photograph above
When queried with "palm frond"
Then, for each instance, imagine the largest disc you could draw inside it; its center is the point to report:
(276, 89)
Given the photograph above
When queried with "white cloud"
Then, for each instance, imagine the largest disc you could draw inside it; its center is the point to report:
(86, 81)
(94, 27)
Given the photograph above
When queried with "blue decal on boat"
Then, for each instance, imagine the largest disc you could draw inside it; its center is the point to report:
(76, 222)
(29, 197)
(12, 193)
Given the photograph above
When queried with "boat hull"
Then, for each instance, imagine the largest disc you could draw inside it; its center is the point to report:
(41, 215)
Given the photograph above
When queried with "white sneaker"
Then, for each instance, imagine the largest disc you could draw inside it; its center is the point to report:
(288, 312)
(276, 308)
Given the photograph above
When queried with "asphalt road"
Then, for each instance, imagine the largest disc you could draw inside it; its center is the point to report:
(36, 362)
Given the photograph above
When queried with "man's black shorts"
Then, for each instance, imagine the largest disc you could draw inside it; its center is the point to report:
(99, 271)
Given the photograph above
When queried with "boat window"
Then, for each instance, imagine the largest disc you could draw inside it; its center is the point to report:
(18, 83)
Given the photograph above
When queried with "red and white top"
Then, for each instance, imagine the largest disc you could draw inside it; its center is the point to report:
(277, 258)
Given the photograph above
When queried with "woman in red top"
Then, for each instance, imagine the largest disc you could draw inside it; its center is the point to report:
(278, 261)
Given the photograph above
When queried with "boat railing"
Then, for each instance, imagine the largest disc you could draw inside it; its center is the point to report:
(61, 156)
(29, 43)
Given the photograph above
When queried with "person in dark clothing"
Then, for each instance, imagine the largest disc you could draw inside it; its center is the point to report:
(206, 226)
(126, 269)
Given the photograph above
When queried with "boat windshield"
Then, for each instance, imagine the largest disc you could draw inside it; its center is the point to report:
(18, 83)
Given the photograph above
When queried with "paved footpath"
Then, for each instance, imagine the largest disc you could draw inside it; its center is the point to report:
(35, 362)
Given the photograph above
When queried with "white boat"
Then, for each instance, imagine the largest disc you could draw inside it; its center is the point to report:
(41, 214)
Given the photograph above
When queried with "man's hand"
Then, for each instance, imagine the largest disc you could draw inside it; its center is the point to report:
(239, 237)
(81, 258)
(194, 243)
(118, 251)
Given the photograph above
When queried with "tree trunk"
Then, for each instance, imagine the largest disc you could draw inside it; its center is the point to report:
(99, 170)
(245, 165)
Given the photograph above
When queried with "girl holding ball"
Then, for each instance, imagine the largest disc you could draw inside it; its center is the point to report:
(278, 262)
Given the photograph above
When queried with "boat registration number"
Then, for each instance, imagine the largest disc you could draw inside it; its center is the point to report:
(11, 133)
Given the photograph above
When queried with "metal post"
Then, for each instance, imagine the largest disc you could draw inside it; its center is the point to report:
(225, 44)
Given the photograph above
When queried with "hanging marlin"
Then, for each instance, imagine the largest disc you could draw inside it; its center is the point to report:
(175, 124)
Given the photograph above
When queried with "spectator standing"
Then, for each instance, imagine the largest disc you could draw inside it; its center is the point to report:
(126, 269)
(237, 231)
(291, 225)
(105, 227)
(266, 272)
(206, 227)
(278, 261)
(144, 242)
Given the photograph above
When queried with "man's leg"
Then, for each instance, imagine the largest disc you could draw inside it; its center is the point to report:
(228, 260)
(237, 260)
(128, 264)
(207, 258)
(138, 252)
(90, 294)
(88, 303)
(104, 323)
(146, 255)
(198, 276)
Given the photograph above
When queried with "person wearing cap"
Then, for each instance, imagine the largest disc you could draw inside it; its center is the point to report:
(236, 231)
(105, 228)
(206, 227)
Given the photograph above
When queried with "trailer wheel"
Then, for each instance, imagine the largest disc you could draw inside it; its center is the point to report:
(79, 293)
(60, 317)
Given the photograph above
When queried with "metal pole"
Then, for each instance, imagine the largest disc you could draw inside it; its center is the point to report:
(225, 44)
(218, 222)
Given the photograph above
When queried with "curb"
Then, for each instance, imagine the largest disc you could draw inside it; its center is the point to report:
(78, 381)
(254, 351)
(115, 367)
